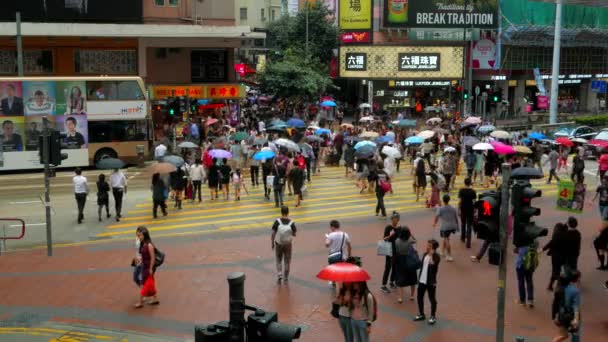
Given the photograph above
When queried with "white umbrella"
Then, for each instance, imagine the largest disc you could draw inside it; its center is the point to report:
(500, 134)
(473, 120)
(433, 121)
(367, 119)
(426, 134)
(365, 105)
(369, 134)
(449, 149)
(431, 109)
(482, 147)
(313, 127)
(391, 152)
(290, 145)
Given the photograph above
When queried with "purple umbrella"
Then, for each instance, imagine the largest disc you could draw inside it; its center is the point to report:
(220, 154)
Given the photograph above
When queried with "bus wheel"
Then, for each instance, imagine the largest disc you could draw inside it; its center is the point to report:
(105, 153)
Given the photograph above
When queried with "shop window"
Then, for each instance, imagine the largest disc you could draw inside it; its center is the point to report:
(262, 17)
(272, 15)
(119, 130)
(114, 91)
(159, 2)
(173, 2)
(106, 62)
(243, 13)
(34, 61)
(209, 66)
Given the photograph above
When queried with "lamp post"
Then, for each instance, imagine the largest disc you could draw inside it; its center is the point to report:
(556, 58)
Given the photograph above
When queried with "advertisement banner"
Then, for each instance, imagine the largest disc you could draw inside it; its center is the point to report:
(160, 92)
(401, 62)
(570, 197)
(39, 98)
(74, 129)
(542, 102)
(115, 110)
(539, 81)
(441, 13)
(484, 54)
(71, 97)
(355, 14)
(11, 99)
(356, 37)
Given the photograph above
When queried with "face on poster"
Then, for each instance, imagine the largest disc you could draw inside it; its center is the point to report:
(11, 99)
(33, 130)
(75, 129)
(39, 98)
(11, 135)
(71, 97)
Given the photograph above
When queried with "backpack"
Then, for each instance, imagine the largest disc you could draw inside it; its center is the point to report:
(412, 259)
(374, 307)
(531, 259)
(284, 234)
(159, 257)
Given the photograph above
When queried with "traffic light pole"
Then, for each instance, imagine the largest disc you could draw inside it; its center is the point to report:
(47, 184)
(502, 268)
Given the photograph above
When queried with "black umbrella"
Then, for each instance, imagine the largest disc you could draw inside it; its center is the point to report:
(526, 173)
(470, 141)
(110, 163)
(312, 138)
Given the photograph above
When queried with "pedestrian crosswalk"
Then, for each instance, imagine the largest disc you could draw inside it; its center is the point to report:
(331, 195)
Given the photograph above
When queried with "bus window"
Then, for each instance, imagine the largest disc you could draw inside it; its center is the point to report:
(114, 91)
(117, 131)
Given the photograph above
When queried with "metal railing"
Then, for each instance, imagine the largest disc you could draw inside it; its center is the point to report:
(3, 237)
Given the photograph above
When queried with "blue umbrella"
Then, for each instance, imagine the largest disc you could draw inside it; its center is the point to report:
(526, 141)
(295, 122)
(384, 139)
(486, 129)
(176, 161)
(364, 143)
(407, 123)
(414, 140)
(328, 103)
(537, 136)
(262, 155)
(322, 131)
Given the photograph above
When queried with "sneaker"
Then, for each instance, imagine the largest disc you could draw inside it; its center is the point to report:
(449, 258)
(385, 289)
(606, 285)
(474, 259)
(531, 304)
(432, 320)
(393, 286)
(419, 318)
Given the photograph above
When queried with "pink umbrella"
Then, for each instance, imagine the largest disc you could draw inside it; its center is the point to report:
(211, 121)
(501, 148)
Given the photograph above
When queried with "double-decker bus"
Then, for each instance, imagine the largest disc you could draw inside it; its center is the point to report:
(99, 117)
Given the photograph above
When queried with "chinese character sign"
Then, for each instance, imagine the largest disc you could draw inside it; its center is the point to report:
(356, 61)
(418, 62)
(355, 14)
(571, 197)
(225, 91)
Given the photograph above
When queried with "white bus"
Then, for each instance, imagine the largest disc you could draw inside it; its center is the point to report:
(100, 117)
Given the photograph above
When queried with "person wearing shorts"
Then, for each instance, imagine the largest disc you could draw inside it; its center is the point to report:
(449, 225)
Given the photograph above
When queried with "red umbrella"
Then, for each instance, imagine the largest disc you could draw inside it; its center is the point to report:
(564, 141)
(210, 122)
(343, 272)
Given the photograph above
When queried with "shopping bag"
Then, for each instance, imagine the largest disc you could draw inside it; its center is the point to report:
(149, 288)
(385, 248)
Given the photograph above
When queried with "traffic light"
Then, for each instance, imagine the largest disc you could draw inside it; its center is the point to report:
(55, 141)
(525, 231)
(465, 94)
(172, 106)
(495, 98)
(263, 326)
(488, 216)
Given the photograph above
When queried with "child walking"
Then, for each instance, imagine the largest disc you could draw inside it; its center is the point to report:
(237, 183)
(103, 197)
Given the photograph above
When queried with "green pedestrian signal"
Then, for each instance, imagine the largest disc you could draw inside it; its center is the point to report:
(171, 111)
(495, 98)
(465, 95)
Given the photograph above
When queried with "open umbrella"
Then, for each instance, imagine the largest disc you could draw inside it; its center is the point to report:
(321, 131)
(346, 125)
(470, 141)
(365, 105)
(163, 168)
(501, 148)
(187, 144)
(220, 154)
(328, 103)
(385, 139)
(263, 155)
(365, 152)
(473, 120)
(522, 149)
(343, 272)
(406, 123)
(363, 143)
(313, 138)
(486, 129)
(391, 152)
(313, 127)
(414, 140)
(211, 121)
(176, 161)
(238, 136)
(482, 147)
(260, 141)
(369, 134)
(288, 144)
(296, 123)
(526, 173)
(500, 134)
(537, 136)
(367, 119)
(110, 163)
(276, 129)
(564, 141)
(449, 149)
(433, 121)
(426, 134)
(305, 148)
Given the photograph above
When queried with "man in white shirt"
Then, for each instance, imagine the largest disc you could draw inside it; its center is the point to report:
(197, 175)
(160, 151)
(81, 189)
(261, 127)
(118, 183)
(337, 241)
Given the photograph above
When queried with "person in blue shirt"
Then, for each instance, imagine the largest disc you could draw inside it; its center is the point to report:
(570, 302)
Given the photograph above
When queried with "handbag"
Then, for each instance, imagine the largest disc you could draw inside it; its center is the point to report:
(385, 248)
(159, 257)
(336, 256)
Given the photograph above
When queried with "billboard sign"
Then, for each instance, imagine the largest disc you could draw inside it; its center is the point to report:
(441, 13)
(355, 14)
(356, 61)
(419, 61)
(484, 54)
(116, 110)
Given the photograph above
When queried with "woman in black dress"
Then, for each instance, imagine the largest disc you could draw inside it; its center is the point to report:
(420, 178)
(404, 276)
(557, 249)
(103, 198)
(214, 179)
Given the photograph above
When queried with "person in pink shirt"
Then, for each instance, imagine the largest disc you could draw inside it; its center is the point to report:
(603, 164)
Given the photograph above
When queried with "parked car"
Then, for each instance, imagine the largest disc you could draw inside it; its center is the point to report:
(598, 143)
(584, 132)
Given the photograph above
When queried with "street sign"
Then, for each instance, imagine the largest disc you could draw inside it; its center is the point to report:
(599, 86)
(570, 197)
(477, 91)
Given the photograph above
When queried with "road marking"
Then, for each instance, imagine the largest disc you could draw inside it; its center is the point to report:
(29, 224)
(24, 202)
